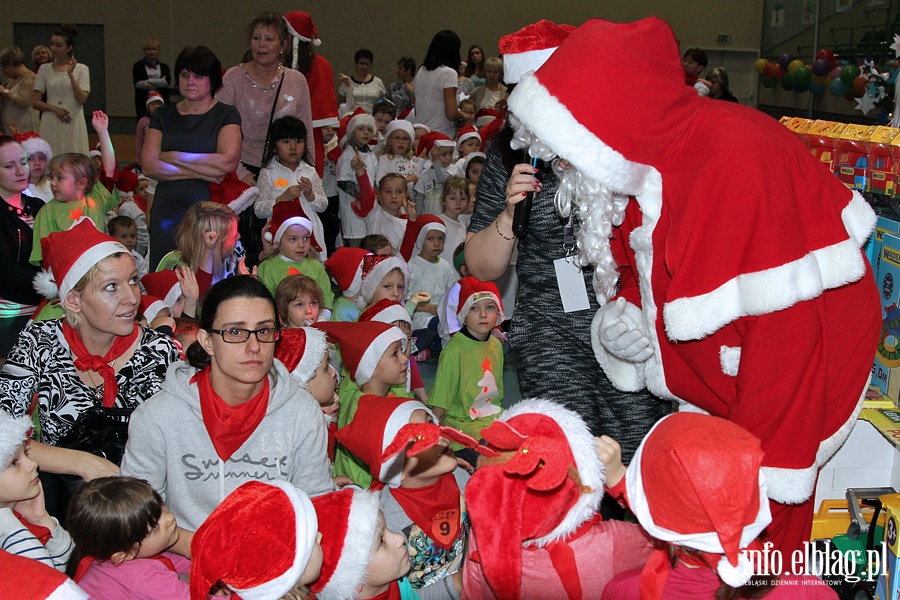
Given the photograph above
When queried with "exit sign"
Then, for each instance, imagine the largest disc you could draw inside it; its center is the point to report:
(724, 37)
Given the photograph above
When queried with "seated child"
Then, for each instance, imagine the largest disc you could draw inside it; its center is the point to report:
(375, 358)
(547, 540)
(292, 231)
(702, 519)
(133, 206)
(376, 243)
(467, 109)
(437, 149)
(384, 276)
(468, 386)
(473, 166)
(466, 217)
(356, 177)
(123, 534)
(394, 313)
(177, 288)
(261, 542)
(468, 141)
(346, 269)
(455, 200)
(384, 114)
(289, 174)
(425, 485)
(363, 558)
(448, 321)
(125, 230)
(39, 154)
(389, 216)
(433, 275)
(398, 154)
(25, 527)
(299, 300)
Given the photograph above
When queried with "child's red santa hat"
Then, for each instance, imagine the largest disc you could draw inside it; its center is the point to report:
(302, 29)
(13, 431)
(431, 139)
(69, 255)
(470, 156)
(549, 481)
(375, 267)
(381, 436)
(472, 290)
(491, 129)
(29, 579)
(286, 214)
(163, 284)
(301, 349)
(528, 48)
(233, 192)
(424, 224)
(386, 311)
(257, 542)
(125, 181)
(362, 345)
(345, 266)
(485, 116)
(348, 522)
(696, 481)
(32, 143)
(359, 118)
(465, 133)
(151, 306)
(400, 125)
(154, 97)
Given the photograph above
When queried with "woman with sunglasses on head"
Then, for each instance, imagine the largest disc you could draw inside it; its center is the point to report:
(231, 414)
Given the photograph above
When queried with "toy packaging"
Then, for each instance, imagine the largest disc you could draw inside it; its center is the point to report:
(889, 580)
(820, 138)
(886, 370)
(882, 175)
(851, 155)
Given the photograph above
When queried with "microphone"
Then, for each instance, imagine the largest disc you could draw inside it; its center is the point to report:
(522, 214)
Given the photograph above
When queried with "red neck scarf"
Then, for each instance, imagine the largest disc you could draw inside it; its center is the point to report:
(229, 426)
(85, 563)
(85, 361)
(434, 508)
(42, 533)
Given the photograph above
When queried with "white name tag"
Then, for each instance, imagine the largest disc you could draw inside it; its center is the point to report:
(571, 285)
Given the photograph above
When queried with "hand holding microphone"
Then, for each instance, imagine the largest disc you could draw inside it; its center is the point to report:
(519, 194)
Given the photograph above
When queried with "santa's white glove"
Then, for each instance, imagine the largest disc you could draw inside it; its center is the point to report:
(621, 339)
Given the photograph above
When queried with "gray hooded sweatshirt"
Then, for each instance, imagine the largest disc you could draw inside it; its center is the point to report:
(168, 446)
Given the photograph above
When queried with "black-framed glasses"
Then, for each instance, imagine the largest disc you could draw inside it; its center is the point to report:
(236, 335)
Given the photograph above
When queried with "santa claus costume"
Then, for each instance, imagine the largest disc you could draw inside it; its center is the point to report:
(743, 292)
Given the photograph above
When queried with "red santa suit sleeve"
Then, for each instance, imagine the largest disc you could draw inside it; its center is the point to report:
(323, 105)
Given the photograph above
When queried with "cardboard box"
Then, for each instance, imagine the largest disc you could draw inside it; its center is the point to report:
(886, 369)
(889, 580)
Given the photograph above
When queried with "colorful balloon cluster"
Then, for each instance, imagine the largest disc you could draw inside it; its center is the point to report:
(825, 73)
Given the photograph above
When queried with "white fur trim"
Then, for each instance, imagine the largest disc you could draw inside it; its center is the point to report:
(45, 285)
(391, 472)
(583, 447)
(793, 486)
(467, 136)
(359, 544)
(624, 375)
(326, 122)
(515, 66)
(373, 353)
(13, 431)
(172, 295)
(420, 239)
(392, 314)
(477, 297)
(301, 221)
(730, 359)
(83, 264)
(735, 576)
(379, 271)
(774, 289)
(704, 541)
(306, 530)
(37, 145)
(153, 310)
(68, 590)
(245, 200)
(316, 346)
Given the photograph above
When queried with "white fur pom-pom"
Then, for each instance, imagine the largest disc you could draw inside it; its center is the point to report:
(735, 576)
(269, 237)
(46, 285)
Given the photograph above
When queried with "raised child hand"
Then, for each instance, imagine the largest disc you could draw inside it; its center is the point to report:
(410, 207)
(188, 280)
(610, 454)
(420, 297)
(99, 120)
(357, 163)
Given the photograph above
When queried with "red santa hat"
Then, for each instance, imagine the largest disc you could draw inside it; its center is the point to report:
(424, 224)
(286, 214)
(374, 427)
(345, 267)
(485, 116)
(94, 153)
(527, 49)
(547, 477)
(348, 522)
(29, 579)
(32, 143)
(375, 267)
(301, 349)
(491, 129)
(257, 542)
(13, 431)
(154, 97)
(472, 290)
(151, 306)
(386, 311)
(362, 345)
(163, 284)
(302, 29)
(696, 481)
(465, 133)
(400, 125)
(125, 181)
(69, 255)
(430, 139)
(233, 192)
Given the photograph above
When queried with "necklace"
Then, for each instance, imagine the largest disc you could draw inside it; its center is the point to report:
(97, 387)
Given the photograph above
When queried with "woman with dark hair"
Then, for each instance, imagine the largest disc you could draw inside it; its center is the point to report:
(188, 145)
(67, 84)
(362, 88)
(475, 66)
(436, 83)
(401, 93)
(232, 415)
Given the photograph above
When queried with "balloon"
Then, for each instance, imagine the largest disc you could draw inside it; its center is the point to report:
(825, 54)
(787, 81)
(767, 82)
(777, 72)
(784, 60)
(820, 66)
(770, 69)
(859, 86)
(816, 88)
(821, 80)
(795, 64)
(760, 64)
(849, 74)
(802, 75)
(801, 86)
(838, 87)
(835, 73)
